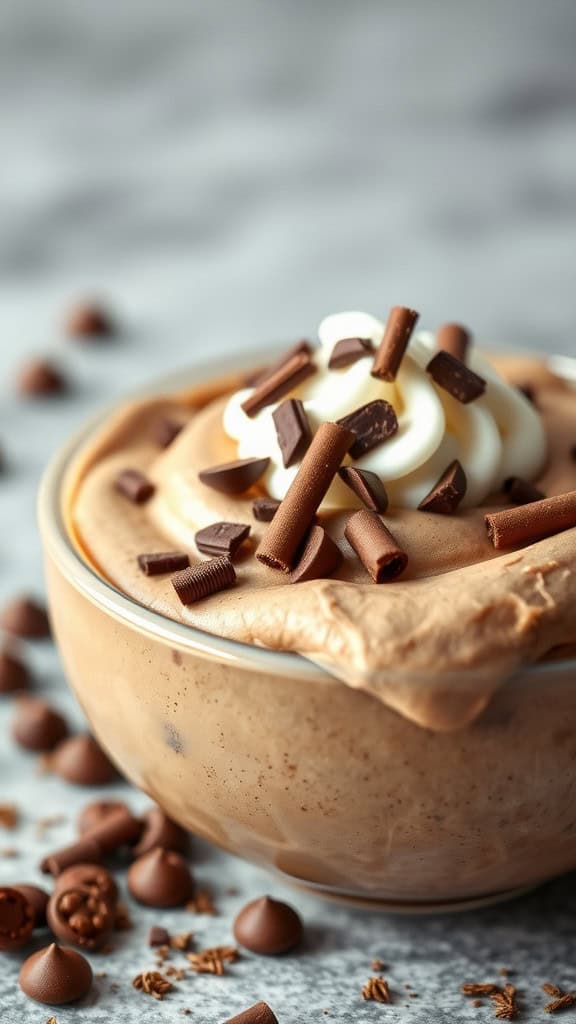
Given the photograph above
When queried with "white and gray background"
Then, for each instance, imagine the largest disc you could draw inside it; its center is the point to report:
(224, 174)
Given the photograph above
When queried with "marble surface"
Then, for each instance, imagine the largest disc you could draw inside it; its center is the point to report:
(225, 174)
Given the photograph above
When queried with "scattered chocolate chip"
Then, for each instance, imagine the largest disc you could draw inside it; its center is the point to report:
(97, 811)
(94, 878)
(375, 546)
(447, 492)
(160, 562)
(455, 339)
(203, 580)
(158, 936)
(83, 851)
(260, 1013)
(372, 424)
(455, 377)
(160, 830)
(367, 486)
(292, 430)
(16, 918)
(37, 726)
(264, 509)
(82, 761)
(160, 878)
(234, 477)
(320, 557)
(279, 383)
(299, 348)
(56, 975)
(39, 378)
(348, 351)
(165, 430)
(89, 321)
(132, 484)
(81, 917)
(25, 617)
(399, 327)
(14, 674)
(523, 524)
(38, 900)
(521, 492)
(221, 538)
(268, 927)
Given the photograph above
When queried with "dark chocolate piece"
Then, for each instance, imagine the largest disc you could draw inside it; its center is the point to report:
(264, 509)
(158, 936)
(348, 351)
(292, 430)
(320, 557)
(268, 927)
(455, 339)
(367, 486)
(447, 492)
(258, 377)
(279, 383)
(455, 377)
(205, 579)
(234, 477)
(372, 424)
(134, 485)
(221, 538)
(165, 430)
(157, 563)
(522, 492)
(397, 332)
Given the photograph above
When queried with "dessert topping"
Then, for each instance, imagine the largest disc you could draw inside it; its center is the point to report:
(455, 339)
(159, 562)
(211, 961)
(560, 1000)
(399, 326)
(234, 477)
(367, 486)
(221, 538)
(375, 546)
(521, 492)
(372, 424)
(523, 524)
(447, 493)
(56, 975)
(268, 926)
(348, 351)
(279, 382)
(292, 430)
(319, 559)
(260, 1013)
(202, 580)
(264, 509)
(134, 485)
(456, 378)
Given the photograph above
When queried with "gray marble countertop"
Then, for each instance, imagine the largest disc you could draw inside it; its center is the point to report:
(225, 174)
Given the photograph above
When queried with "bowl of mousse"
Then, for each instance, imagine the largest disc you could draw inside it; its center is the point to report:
(323, 611)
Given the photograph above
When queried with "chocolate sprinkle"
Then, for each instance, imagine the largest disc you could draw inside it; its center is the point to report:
(523, 524)
(134, 486)
(203, 580)
(521, 492)
(221, 538)
(397, 332)
(234, 477)
(264, 509)
(292, 430)
(372, 424)
(375, 546)
(319, 559)
(157, 563)
(447, 492)
(367, 486)
(284, 379)
(455, 377)
(455, 339)
(348, 351)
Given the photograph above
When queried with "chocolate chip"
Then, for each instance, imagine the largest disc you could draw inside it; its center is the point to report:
(38, 900)
(165, 430)
(160, 830)
(56, 976)
(92, 877)
(97, 811)
(292, 430)
(348, 351)
(279, 383)
(399, 326)
(234, 477)
(81, 761)
(320, 557)
(268, 926)
(367, 486)
(455, 377)
(37, 726)
(16, 918)
(81, 917)
(521, 492)
(134, 485)
(264, 509)
(158, 936)
(14, 674)
(205, 579)
(89, 321)
(455, 339)
(372, 424)
(160, 562)
(160, 878)
(40, 379)
(221, 538)
(260, 1013)
(25, 617)
(447, 492)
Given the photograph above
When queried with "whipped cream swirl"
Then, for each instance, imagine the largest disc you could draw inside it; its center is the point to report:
(497, 436)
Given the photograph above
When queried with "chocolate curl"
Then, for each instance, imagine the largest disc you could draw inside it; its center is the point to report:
(84, 851)
(455, 339)
(279, 383)
(204, 579)
(120, 828)
(523, 524)
(375, 546)
(397, 332)
(291, 522)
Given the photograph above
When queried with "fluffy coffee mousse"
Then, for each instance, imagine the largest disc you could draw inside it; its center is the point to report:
(405, 501)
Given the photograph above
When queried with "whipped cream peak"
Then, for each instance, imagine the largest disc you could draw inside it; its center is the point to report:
(497, 436)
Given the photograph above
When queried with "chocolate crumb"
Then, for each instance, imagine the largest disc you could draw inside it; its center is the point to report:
(477, 1002)
(561, 1000)
(504, 1003)
(211, 961)
(478, 989)
(377, 990)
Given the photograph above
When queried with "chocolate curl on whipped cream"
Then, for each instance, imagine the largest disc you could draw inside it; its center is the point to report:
(397, 332)
(455, 339)
(280, 544)
(523, 524)
(281, 381)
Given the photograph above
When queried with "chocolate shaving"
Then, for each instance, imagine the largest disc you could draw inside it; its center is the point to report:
(447, 493)
(561, 1000)
(234, 477)
(375, 546)
(152, 983)
(264, 509)
(348, 351)
(319, 559)
(523, 524)
(163, 561)
(455, 339)
(134, 486)
(292, 430)
(205, 579)
(221, 538)
(212, 961)
(372, 424)
(504, 1003)
(521, 492)
(455, 377)
(282, 380)
(367, 486)
(399, 327)
(377, 990)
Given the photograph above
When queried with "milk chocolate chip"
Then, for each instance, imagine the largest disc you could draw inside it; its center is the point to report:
(268, 926)
(160, 878)
(81, 761)
(24, 616)
(56, 975)
(37, 726)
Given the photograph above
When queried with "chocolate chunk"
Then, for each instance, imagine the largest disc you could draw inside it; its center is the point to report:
(55, 976)
(522, 492)
(397, 332)
(279, 383)
(523, 524)
(264, 509)
(39, 378)
(160, 878)
(14, 675)
(97, 811)
(160, 562)
(320, 557)
(268, 927)
(81, 761)
(292, 430)
(372, 424)
(91, 877)
(134, 485)
(221, 538)
(83, 851)
(455, 339)
(260, 1013)
(205, 579)
(367, 486)
(160, 830)
(455, 377)
(375, 546)
(279, 547)
(25, 617)
(234, 477)
(16, 918)
(447, 492)
(299, 348)
(165, 430)
(37, 726)
(89, 321)
(348, 351)
(158, 936)
(81, 917)
(38, 900)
